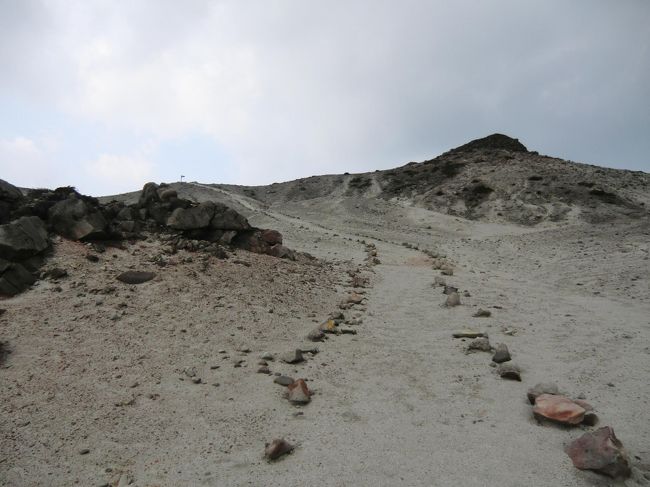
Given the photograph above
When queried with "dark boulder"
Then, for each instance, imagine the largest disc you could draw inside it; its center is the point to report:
(76, 219)
(148, 195)
(271, 237)
(23, 238)
(9, 192)
(10, 198)
(226, 218)
(14, 278)
(193, 218)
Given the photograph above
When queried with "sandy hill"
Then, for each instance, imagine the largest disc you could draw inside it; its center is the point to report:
(491, 179)
(184, 378)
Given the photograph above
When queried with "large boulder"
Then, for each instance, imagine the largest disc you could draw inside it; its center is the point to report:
(225, 218)
(9, 192)
(23, 238)
(14, 278)
(192, 218)
(148, 195)
(76, 219)
(10, 197)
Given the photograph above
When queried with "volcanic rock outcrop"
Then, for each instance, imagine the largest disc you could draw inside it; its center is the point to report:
(29, 219)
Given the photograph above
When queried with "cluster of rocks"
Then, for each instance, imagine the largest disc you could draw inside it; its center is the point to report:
(371, 254)
(600, 451)
(440, 263)
(27, 221)
(297, 391)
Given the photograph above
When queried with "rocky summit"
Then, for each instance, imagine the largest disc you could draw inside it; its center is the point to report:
(472, 319)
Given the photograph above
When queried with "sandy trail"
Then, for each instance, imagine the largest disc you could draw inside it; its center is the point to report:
(400, 403)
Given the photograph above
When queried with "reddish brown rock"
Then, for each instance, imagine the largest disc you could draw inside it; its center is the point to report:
(271, 237)
(277, 448)
(601, 452)
(298, 393)
(559, 409)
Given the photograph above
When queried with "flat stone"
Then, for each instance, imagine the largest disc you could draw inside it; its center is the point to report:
(354, 298)
(558, 408)
(277, 448)
(283, 380)
(293, 357)
(482, 313)
(263, 370)
(136, 277)
(501, 354)
(541, 388)
(601, 452)
(316, 335)
(509, 371)
(298, 392)
(469, 334)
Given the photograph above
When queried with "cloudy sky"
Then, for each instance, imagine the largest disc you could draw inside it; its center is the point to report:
(106, 95)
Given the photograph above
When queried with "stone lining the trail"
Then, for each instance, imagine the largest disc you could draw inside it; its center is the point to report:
(602, 452)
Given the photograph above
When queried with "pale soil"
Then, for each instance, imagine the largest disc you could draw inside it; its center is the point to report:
(400, 403)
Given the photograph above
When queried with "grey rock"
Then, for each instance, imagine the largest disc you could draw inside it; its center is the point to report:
(283, 380)
(501, 354)
(192, 218)
(469, 334)
(292, 357)
(23, 238)
(509, 371)
(76, 219)
(482, 313)
(14, 278)
(136, 277)
(316, 335)
(148, 195)
(277, 448)
(453, 299)
(541, 388)
(480, 344)
(450, 289)
(226, 218)
(439, 281)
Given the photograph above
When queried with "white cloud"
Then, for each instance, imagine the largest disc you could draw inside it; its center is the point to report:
(119, 173)
(294, 88)
(25, 162)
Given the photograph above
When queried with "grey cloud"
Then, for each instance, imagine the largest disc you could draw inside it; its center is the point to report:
(336, 86)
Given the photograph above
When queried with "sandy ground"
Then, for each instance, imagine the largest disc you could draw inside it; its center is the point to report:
(400, 403)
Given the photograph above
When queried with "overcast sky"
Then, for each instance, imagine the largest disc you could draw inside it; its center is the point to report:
(106, 95)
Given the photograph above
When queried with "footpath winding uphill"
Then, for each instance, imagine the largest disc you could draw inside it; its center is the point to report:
(182, 380)
(404, 403)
